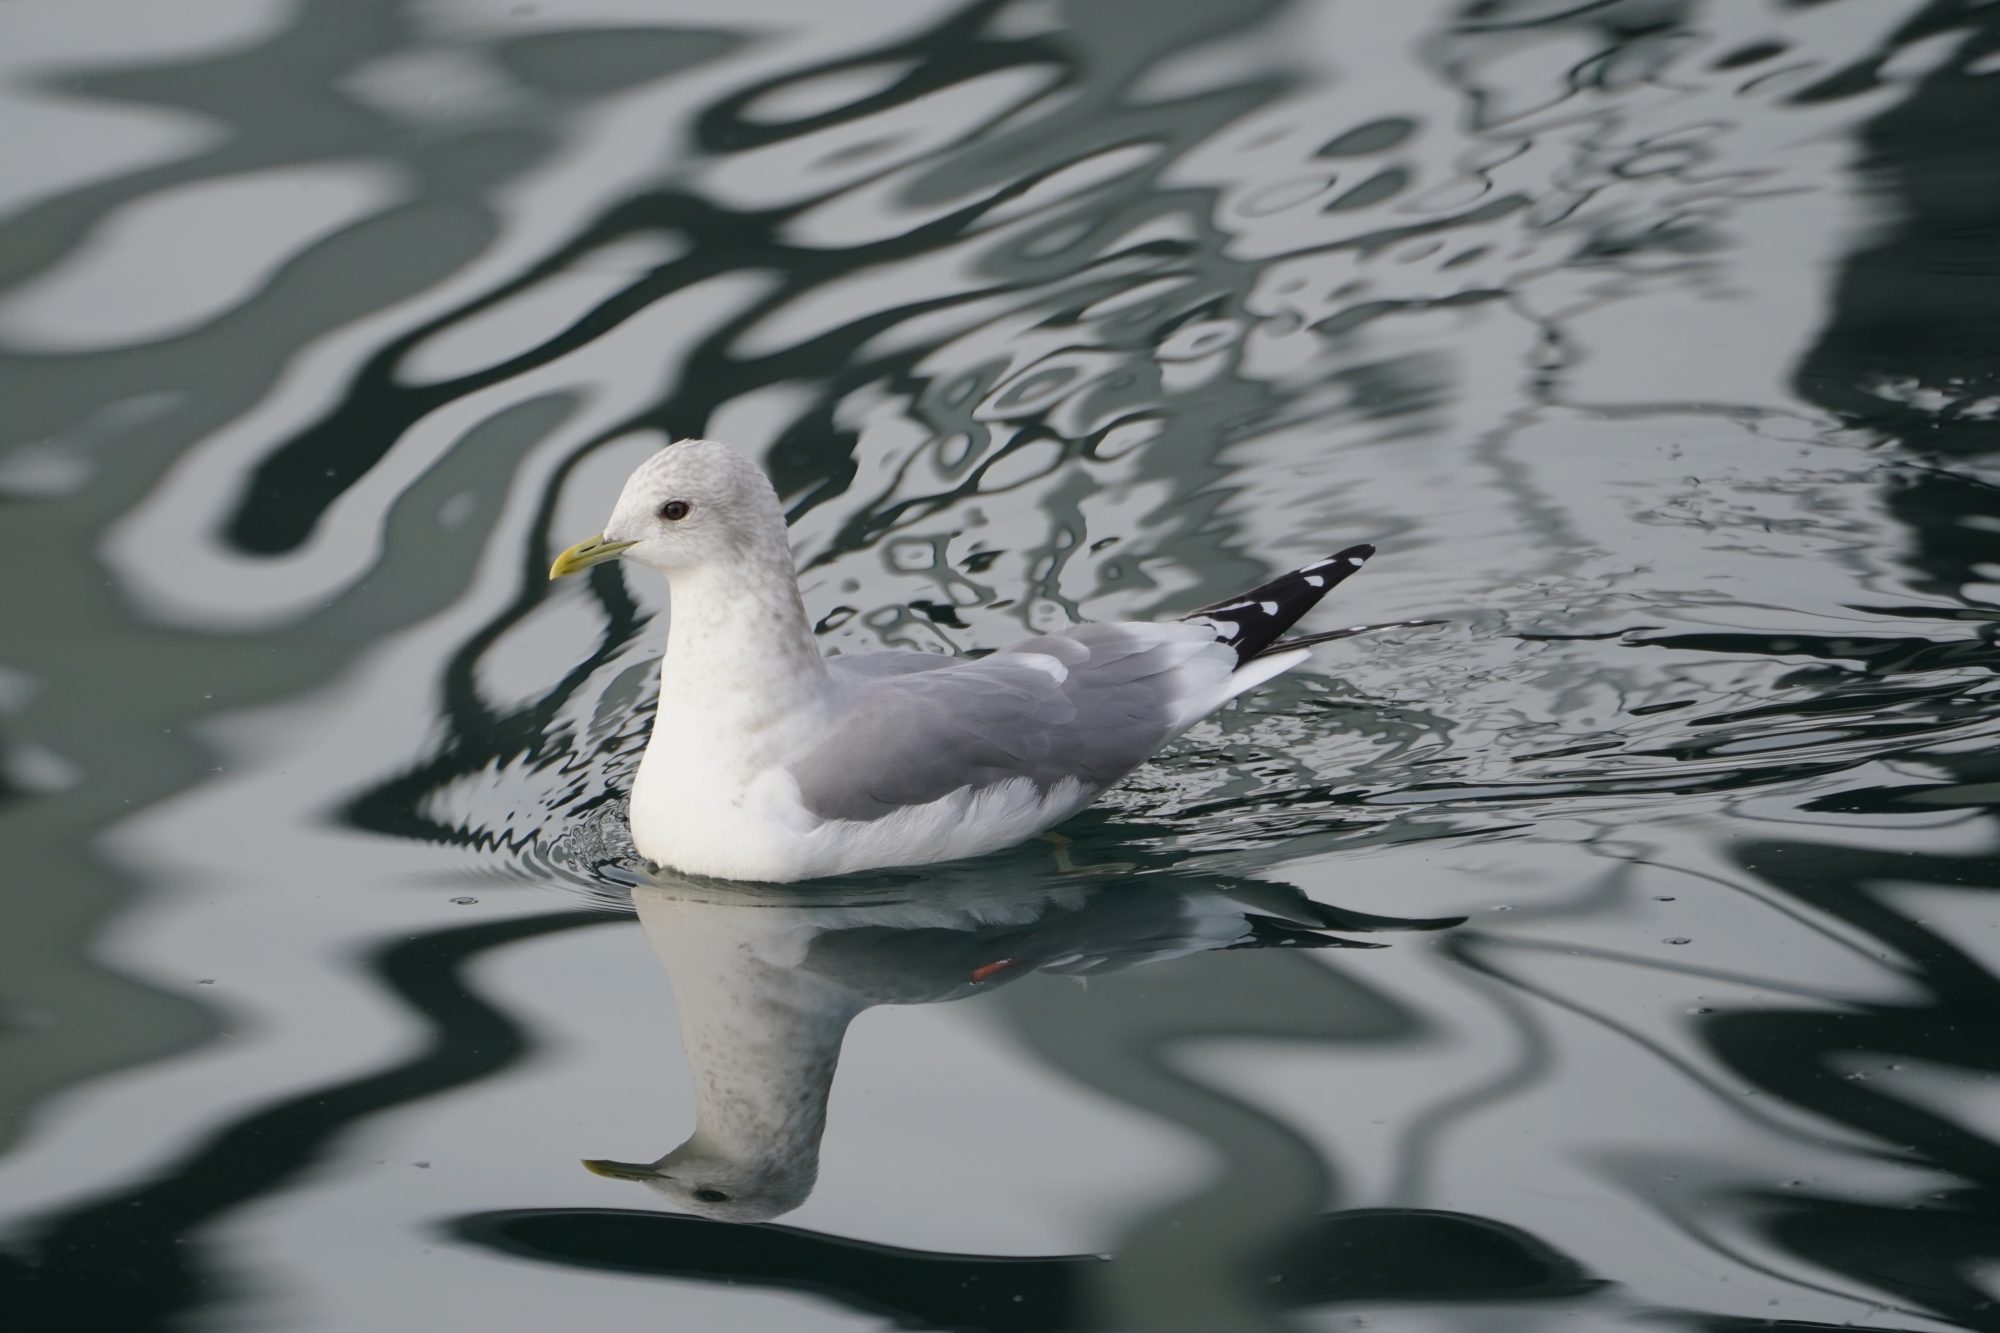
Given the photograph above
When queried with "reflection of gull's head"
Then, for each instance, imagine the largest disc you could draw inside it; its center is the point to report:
(696, 1179)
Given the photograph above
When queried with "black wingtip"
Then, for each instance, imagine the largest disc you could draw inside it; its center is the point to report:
(1251, 622)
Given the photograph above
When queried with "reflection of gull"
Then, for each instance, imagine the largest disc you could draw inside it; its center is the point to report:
(767, 980)
(768, 762)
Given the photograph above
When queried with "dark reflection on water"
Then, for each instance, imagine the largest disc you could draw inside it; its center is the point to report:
(1651, 339)
(1910, 313)
(1927, 1248)
(133, 1259)
(1366, 1255)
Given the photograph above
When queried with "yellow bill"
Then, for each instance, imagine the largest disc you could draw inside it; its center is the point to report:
(590, 551)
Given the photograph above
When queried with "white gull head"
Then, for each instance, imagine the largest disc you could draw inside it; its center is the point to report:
(693, 504)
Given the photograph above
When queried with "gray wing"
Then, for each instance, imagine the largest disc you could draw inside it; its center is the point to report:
(1086, 705)
(896, 662)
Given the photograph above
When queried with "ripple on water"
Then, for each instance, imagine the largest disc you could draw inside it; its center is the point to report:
(1643, 340)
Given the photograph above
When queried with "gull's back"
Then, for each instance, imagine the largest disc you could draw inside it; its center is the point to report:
(1057, 719)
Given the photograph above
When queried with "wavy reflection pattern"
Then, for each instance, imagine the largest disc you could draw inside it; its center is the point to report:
(1651, 338)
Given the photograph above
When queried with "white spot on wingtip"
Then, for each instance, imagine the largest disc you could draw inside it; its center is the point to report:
(1357, 560)
(1316, 580)
(1268, 608)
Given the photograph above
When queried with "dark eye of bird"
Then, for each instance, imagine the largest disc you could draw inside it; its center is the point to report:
(675, 510)
(709, 1195)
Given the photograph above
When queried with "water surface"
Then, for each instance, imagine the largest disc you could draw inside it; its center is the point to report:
(1651, 341)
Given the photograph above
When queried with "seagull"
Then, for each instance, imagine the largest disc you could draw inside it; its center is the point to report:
(770, 762)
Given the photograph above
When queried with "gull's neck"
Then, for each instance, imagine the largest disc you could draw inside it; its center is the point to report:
(740, 653)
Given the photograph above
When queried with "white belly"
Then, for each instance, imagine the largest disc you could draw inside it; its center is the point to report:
(758, 830)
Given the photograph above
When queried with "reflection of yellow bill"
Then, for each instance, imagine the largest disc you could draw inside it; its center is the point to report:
(616, 1170)
(590, 551)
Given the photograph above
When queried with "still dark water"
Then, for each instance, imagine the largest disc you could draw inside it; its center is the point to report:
(1653, 341)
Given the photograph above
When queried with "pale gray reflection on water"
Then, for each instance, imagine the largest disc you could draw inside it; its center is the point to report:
(1649, 339)
(767, 980)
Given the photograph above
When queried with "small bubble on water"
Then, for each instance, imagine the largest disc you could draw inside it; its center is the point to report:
(205, 981)
(1701, 1009)
(1663, 897)
(1678, 939)
(421, 1166)
(464, 900)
